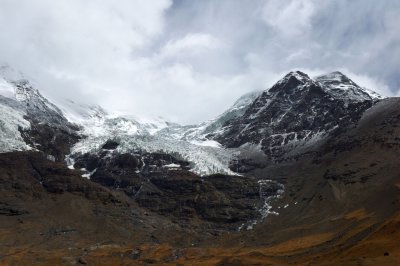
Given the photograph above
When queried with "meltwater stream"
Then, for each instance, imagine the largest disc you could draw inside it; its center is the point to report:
(269, 190)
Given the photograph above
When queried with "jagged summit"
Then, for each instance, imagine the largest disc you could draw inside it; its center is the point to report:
(337, 80)
(298, 75)
(297, 111)
(340, 85)
(334, 83)
(30, 119)
(14, 84)
(291, 81)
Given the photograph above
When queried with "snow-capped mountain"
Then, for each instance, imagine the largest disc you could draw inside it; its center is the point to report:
(13, 112)
(95, 120)
(141, 135)
(202, 134)
(11, 120)
(25, 109)
(17, 88)
(30, 120)
(136, 137)
(342, 86)
(192, 143)
(296, 112)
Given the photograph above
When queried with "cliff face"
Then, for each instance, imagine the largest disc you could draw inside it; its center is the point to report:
(296, 113)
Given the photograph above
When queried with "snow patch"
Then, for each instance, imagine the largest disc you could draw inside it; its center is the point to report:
(11, 119)
(88, 175)
(267, 198)
(206, 160)
(172, 165)
(207, 143)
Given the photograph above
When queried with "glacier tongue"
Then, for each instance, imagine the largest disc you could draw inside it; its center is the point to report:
(206, 160)
(133, 137)
(152, 135)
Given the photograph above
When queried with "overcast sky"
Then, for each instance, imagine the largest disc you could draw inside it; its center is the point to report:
(189, 60)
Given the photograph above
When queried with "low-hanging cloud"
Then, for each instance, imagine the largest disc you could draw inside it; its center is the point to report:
(189, 60)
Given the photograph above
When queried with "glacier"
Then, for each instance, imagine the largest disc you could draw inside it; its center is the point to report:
(207, 157)
(193, 143)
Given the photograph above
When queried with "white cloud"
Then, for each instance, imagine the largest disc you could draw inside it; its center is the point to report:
(191, 43)
(189, 60)
(85, 39)
(370, 83)
(289, 18)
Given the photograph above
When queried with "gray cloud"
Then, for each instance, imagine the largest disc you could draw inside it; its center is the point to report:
(189, 60)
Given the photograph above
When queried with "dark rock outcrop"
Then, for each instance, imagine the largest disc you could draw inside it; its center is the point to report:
(50, 132)
(32, 174)
(221, 201)
(296, 112)
(110, 145)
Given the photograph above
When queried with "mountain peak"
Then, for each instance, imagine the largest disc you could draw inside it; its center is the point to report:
(14, 84)
(290, 81)
(297, 75)
(335, 77)
(24, 91)
(342, 86)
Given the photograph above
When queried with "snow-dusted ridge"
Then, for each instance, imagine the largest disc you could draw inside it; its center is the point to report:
(200, 134)
(156, 134)
(194, 143)
(134, 137)
(12, 113)
(342, 86)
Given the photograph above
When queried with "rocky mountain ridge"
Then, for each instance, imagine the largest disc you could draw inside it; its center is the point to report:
(140, 192)
(296, 113)
(285, 119)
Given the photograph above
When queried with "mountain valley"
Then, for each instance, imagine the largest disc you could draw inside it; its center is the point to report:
(303, 173)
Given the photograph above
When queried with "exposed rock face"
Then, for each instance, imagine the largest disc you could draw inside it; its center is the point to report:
(41, 124)
(186, 198)
(284, 122)
(162, 184)
(110, 145)
(297, 111)
(31, 173)
(143, 162)
(50, 131)
(55, 142)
